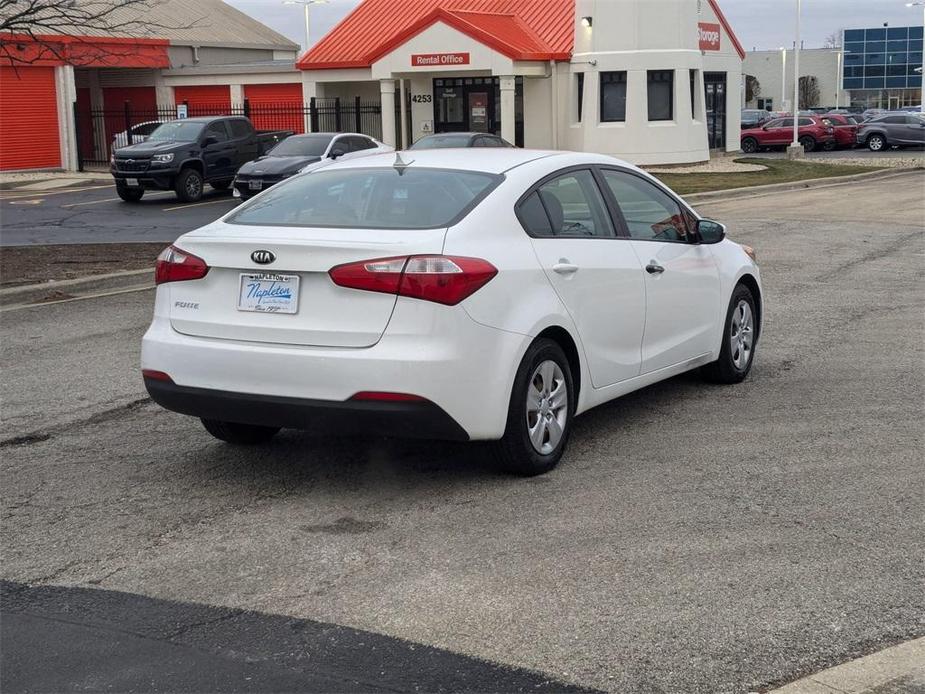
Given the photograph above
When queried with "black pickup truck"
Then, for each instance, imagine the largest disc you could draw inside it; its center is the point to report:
(183, 155)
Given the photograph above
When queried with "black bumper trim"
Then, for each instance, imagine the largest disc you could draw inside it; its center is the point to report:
(418, 420)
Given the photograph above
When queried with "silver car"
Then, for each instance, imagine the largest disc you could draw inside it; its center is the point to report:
(895, 129)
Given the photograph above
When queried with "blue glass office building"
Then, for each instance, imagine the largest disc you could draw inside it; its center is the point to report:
(880, 66)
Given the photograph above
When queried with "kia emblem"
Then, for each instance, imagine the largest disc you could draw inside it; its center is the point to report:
(263, 257)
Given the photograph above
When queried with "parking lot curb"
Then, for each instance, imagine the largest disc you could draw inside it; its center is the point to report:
(900, 666)
(62, 290)
(732, 193)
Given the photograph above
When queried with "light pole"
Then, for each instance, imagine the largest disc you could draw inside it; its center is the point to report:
(795, 145)
(921, 72)
(306, 4)
(783, 78)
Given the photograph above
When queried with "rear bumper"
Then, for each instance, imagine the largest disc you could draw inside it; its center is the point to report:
(400, 419)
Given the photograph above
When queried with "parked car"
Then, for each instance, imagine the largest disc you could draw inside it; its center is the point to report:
(363, 298)
(892, 130)
(183, 155)
(813, 133)
(299, 153)
(842, 111)
(872, 113)
(752, 117)
(140, 133)
(443, 140)
(846, 129)
(912, 109)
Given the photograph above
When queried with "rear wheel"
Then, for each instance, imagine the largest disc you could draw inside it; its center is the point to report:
(749, 145)
(739, 340)
(809, 143)
(540, 412)
(130, 194)
(240, 434)
(876, 142)
(189, 185)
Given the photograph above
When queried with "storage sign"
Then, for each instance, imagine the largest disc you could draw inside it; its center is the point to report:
(438, 59)
(708, 35)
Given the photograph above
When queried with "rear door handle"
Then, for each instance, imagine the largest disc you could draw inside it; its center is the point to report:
(563, 267)
(654, 268)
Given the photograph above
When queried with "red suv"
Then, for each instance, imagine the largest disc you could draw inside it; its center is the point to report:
(846, 129)
(814, 133)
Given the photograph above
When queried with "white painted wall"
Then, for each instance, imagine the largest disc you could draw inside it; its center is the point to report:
(66, 93)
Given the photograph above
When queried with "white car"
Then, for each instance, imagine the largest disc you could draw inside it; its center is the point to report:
(457, 294)
(140, 133)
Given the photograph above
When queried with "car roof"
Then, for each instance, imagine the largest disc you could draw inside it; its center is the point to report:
(462, 134)
(209, 119)
(493, 160)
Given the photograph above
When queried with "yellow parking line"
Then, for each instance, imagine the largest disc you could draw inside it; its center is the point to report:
(197, 204)
(13, 194)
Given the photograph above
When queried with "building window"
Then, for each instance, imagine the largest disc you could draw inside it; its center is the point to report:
(613, 96)
(660, 92)
(580, 92)
(693, 74)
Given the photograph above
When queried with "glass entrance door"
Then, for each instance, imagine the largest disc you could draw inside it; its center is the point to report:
(473, 104)
(478, 112)
(714, 84)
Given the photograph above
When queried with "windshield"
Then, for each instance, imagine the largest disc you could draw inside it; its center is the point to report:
(302, 146)
(177, 131)
(381, 198)
(439, 141)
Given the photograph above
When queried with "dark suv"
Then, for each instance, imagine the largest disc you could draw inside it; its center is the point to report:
(896, 129)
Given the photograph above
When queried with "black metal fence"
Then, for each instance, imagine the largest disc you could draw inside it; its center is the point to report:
(100, 131)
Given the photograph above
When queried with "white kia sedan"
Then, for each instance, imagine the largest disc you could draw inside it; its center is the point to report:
(471, 294)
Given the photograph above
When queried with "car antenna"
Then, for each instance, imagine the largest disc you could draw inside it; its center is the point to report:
(400, 165)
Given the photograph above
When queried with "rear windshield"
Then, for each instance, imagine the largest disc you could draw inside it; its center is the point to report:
(302, 146)
(178, 131)
(441, 141)
(380, 198)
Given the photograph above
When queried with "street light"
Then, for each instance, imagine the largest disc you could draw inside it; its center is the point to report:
(795, 145)
(783, 78)
(305, 4)
(921, 3)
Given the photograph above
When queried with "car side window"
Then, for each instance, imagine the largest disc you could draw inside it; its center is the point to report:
(574, 207)
(240, 128)
(364, 143)
(217, 130)
(533, 216)
(341, 143)
(650, 213)
(146, 128)
(807, 121)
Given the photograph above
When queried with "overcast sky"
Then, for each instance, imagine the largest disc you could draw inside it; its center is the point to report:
(759, 24)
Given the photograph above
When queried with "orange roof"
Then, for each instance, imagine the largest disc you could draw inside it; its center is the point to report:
(520, 29)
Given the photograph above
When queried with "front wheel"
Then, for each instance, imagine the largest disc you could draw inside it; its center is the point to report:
(189, 185)
(876, 142)
(739, 340)
(749, 145)
(130, 194)
(540, 412)
(240, 434)
(809, 144)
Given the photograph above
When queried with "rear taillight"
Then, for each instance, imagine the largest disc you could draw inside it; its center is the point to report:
(156, 375)
(439, 278)
(176, 265)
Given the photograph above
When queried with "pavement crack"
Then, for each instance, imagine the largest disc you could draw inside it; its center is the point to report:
(98, 418)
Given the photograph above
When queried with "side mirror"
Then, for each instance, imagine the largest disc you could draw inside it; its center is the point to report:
(337, 152)
(709, 231)
(210, 140)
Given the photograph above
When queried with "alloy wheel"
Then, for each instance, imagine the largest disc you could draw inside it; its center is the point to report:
(741, 335)
(193, 186)
(547, 407)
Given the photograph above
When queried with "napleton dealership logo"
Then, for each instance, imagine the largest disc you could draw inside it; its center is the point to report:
(708, 34)
(438, 59)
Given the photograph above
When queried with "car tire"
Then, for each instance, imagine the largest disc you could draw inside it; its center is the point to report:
(809, 143)
(220, 185)
(749, 145)
(830, 146)
(738, 349)
(188, 185)
(130, 194)
(239, 434)
(537, 429)
(876, 142)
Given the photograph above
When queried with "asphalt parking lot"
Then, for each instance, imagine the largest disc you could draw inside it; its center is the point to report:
(93, 213)
(695, 538)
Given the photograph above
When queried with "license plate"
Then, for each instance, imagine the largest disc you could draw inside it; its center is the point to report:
(131, 182)
(269, 293)
(255, 185)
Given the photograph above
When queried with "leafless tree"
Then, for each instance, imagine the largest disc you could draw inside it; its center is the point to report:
(809, 91)
(752, 88)
(28, 28)
(833, 40)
